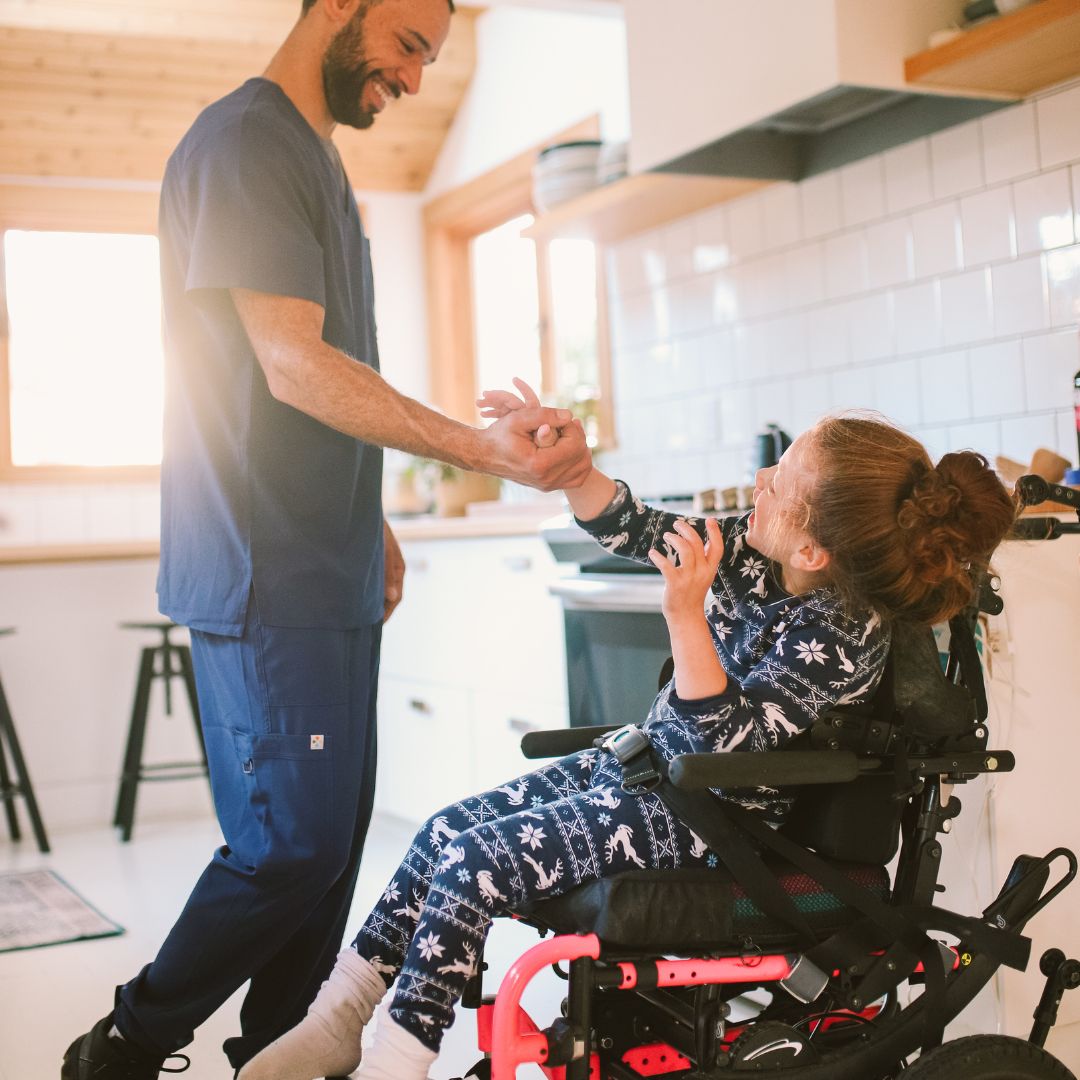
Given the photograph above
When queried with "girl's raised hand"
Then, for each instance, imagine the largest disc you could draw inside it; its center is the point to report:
(687, 584)
(495, 404)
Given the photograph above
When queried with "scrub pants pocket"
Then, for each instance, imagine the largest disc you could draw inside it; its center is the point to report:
(274, 795)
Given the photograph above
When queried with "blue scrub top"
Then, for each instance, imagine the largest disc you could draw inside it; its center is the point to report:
(255, 494)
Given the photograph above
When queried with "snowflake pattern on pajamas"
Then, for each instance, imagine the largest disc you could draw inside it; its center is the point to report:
(485, 855)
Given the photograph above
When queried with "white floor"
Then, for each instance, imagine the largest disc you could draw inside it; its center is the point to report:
(50, 995)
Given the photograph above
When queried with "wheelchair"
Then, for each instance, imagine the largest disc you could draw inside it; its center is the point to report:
(843, 971)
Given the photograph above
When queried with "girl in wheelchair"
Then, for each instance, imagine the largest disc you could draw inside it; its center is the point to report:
(854, 528)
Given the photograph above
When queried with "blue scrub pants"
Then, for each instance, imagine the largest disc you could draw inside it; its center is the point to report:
(289, 721)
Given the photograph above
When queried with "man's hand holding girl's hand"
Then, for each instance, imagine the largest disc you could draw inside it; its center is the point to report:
(587, 489)
(687, 584)
(500, 403)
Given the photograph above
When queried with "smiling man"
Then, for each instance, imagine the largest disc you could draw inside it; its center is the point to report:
(274, 550)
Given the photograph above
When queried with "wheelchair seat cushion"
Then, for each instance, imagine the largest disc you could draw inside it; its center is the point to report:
(684, 910)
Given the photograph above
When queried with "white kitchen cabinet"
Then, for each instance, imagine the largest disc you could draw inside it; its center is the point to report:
(472, 658)
(422, 639)
(426, 747)
(515, 627)
(499, 722)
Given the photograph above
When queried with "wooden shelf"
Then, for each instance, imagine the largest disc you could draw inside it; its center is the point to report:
(1010, 56)
(636, 204)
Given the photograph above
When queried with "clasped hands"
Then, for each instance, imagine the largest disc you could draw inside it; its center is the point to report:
(690, 562)
(538, 446)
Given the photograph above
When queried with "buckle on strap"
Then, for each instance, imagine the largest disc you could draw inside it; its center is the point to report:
(631, 748)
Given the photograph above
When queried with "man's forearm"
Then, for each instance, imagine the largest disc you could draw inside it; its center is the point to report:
(356, 400)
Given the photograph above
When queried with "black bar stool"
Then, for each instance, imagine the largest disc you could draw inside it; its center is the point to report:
(11, 789)
(165, 661)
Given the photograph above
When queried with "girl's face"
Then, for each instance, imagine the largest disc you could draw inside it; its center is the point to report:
(773, 527)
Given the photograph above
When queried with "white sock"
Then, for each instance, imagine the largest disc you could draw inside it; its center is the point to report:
(327, 1041)
(394, 1053)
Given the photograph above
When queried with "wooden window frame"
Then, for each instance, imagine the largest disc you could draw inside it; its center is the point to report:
(45, 208)
(451, 222)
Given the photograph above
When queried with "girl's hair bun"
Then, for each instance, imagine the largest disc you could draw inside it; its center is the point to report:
(906, 537)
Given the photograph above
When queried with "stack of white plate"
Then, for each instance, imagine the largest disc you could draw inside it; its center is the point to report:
(564, 171)
(613, 162)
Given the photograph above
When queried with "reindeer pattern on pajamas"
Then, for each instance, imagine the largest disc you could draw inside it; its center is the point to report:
(536, 837)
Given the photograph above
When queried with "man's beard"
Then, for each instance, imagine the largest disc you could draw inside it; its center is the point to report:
(345, 72)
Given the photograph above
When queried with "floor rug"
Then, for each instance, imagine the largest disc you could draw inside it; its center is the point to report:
(37, 907)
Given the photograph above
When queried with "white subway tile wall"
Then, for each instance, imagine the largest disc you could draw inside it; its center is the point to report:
(63, 514)
(938, 282)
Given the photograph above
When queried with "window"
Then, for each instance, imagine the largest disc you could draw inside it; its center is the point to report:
(84, 355)
(506, 306)
(501, 304)
(576, 331)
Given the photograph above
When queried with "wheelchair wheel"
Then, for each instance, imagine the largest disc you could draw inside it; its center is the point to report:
(987, 1057)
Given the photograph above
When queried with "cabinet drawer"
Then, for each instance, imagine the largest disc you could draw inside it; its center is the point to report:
(425, 748)
(500, 720)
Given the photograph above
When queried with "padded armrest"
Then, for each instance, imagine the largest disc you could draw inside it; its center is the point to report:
(788, 768)
(559, 741)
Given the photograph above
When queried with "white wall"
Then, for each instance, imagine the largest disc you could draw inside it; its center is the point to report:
(938, 282)
(536, 74)
(395, 227)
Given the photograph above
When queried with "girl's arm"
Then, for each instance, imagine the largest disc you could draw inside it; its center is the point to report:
(698, 671)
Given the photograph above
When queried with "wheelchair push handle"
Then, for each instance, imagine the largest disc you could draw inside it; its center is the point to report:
(1032, 490)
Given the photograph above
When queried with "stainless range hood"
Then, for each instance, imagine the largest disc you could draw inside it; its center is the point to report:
(781, 89)
(831, 129)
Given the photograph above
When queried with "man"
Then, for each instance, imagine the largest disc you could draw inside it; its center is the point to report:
(273, 543)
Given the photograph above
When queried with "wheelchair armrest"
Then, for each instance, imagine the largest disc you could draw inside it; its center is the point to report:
(557, 742)
(788, 768)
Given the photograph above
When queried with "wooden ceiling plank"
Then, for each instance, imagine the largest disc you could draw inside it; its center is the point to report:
(88, 105)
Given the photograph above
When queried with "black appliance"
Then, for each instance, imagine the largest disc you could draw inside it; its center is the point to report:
(616, 637)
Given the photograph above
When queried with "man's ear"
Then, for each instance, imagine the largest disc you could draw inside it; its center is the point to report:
(810, 558)
(337, 12)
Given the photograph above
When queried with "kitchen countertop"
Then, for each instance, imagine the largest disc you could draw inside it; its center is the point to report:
(423, 527)
(524, 522)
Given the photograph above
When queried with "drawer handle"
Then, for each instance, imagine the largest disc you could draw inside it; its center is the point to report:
(522, 727)
(518, 563)
(420, 706)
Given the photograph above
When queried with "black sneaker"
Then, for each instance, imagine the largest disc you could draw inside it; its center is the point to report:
(96, 1056)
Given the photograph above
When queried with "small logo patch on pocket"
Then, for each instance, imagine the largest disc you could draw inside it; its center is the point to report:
(316, 742)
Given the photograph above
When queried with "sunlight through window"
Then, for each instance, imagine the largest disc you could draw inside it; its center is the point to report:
(84, 348)
(507, 315)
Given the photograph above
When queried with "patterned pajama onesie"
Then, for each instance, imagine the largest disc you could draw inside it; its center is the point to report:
(788, 659)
